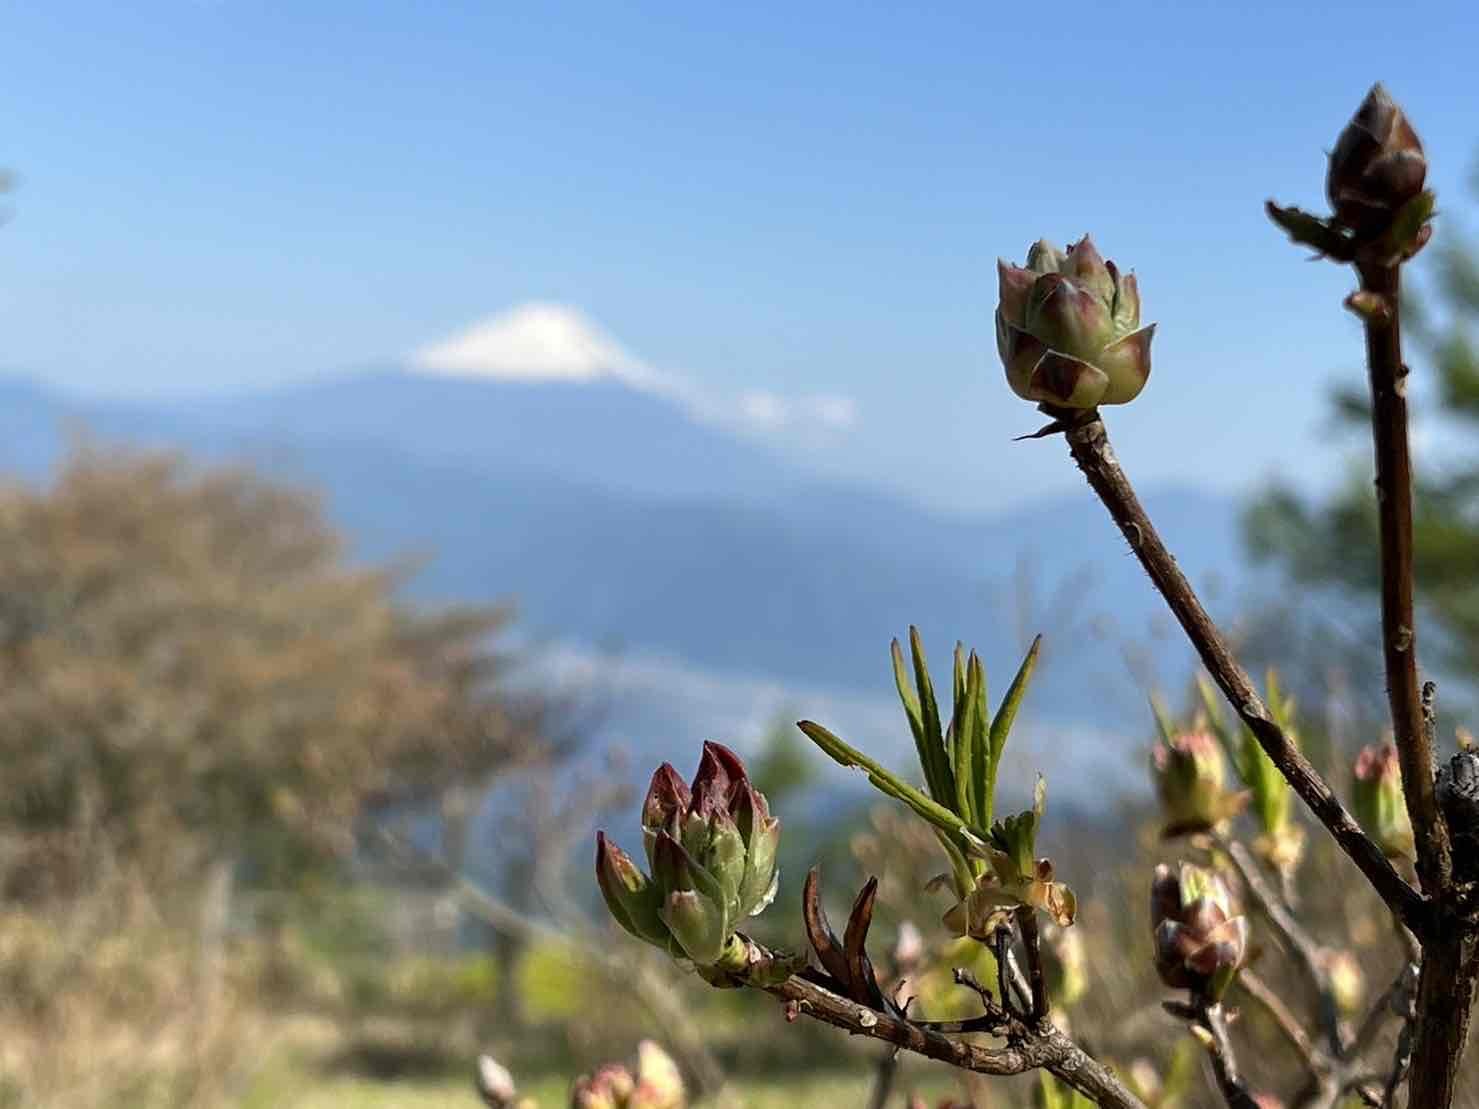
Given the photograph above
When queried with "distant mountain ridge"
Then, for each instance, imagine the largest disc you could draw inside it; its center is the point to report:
(615, 518)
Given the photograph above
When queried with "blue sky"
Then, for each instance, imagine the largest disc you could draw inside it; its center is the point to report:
(786, 200)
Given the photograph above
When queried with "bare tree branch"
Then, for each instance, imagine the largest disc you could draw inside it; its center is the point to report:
(1089, 444)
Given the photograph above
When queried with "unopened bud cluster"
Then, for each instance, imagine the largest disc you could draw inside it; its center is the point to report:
(1199, 941)
(1191, 781)
(656, 1085)
(712, 850)
(1068, 328)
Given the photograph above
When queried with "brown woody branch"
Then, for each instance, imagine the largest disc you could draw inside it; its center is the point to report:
(1089, 444)
(1446, 985)
(1388, 377)
(1024, 1050)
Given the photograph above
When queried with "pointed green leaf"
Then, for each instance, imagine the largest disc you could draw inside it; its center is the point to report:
(967, 756)
(979, 718)
(937, 770)
(928, 742)
(1006, 713)
(894, 786)
(1163, 722)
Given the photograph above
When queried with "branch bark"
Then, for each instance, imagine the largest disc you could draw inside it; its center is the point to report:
(1445, 991)
(1388, 377)
(1089, 444)
(1046, 1048)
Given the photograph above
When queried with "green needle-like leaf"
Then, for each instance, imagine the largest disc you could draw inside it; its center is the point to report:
(937, 770)
(971, 754)
(894, 786)
(1006, 713)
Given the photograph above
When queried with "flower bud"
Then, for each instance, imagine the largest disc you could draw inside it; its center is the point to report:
(1190, 777)
(712, 847)
(1381, 807)
(1347, 982)
(694, 908)
(1199, 943)
(632, 899)
(1068, 328)
(1377, 166)
(668, 798)
(495, 1083)
(609, 1088)
(659, 1083)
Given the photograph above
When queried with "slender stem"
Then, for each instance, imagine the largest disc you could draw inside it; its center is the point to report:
(1308, 953)
(1224, 1061)
(1260, 991)
(1089, 444)
(1388, 377)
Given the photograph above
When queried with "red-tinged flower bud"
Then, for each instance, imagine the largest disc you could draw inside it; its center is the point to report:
(712, 847)
(1068, 328)
(1377, 797)
(659, 1083)
(1377, 166)
(1199, 943)
(634, 901)
(1190, 776)
(608, 1088)
(667, 796)
(719, 769)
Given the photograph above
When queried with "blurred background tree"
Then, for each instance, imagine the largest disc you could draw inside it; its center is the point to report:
(197, 677)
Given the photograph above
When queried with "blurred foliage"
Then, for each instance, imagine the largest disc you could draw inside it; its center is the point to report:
(193, 671)
(1336, 542)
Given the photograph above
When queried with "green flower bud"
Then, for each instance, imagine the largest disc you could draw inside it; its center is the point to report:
(1381, 807)
(712, 848)
(1377, 166)
(761, 834)
(1199, 943)
(1068, 328)
(1190, 778)
(633, 900)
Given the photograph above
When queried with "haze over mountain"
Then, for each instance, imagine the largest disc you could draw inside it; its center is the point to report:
(619, 514)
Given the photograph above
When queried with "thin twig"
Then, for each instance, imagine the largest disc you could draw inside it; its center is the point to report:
(1213, 1020)
(1308, 954)
(1089, 444)
(1399, 993)
(1284, 1018)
